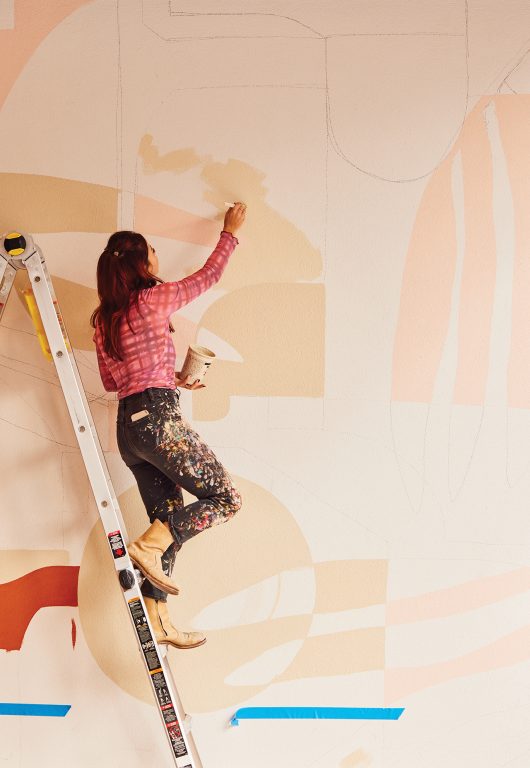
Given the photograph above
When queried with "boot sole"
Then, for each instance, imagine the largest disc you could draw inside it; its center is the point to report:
(171, 589)
(181, 647)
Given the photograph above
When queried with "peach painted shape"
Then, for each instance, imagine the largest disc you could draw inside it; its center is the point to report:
(513, 113)
(156, 218)
(459, 599)
(480, 262)
(506, 652)
(34, 20)
(429, 273)
(426, 292)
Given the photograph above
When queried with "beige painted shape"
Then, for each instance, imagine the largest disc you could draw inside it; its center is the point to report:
(15, 563)
(106, 626)
(202, 677)
(112, 435)
(77, 302)
(262, 540)
(359, 757)
(272, 249)
(76, 494)
(34, 204)
(278, 329)
(176, 161)
(344, 584)
(343, 653)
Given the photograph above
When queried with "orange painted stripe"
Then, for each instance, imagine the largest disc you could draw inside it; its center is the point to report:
(54, 585)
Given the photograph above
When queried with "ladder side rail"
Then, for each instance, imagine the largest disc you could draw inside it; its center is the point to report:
(7, 276)
(162, 684)
(4, 264)
(86, 411)
(74, 395)
(180, 710)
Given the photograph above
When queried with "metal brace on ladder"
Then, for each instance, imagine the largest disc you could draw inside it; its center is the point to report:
(18, 251)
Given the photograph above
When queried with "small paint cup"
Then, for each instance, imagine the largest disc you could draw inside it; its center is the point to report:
(197, 362)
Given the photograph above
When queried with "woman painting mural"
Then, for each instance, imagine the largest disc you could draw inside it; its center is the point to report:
(137, 360)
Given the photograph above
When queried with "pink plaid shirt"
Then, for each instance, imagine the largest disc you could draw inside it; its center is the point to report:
(148, 352)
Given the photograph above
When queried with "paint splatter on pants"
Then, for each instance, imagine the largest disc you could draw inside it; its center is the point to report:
(165, 455)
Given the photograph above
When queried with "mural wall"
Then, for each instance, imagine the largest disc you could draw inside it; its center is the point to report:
(371, 395)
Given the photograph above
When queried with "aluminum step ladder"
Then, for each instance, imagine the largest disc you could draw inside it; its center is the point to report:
(18, 251)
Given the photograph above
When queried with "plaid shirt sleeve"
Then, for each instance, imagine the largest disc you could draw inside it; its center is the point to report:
(106, 376)
(169, 297)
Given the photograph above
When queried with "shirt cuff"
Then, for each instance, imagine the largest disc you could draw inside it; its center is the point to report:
(224, 232)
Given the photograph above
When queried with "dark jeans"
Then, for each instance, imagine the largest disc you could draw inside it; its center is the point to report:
(165, 455)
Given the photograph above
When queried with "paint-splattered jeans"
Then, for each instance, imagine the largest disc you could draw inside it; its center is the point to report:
(165, 455)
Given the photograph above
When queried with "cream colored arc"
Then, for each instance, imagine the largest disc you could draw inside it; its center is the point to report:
(18, 251)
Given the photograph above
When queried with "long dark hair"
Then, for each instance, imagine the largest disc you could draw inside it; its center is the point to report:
(122, 272)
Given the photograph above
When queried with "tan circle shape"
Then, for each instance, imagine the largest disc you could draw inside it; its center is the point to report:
(261, 541)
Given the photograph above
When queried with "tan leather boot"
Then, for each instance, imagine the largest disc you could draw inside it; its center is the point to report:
(146, 552)
(165, 632)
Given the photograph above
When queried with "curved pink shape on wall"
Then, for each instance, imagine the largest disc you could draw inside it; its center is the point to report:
(479, 267)
(514, 118)
(426, 292)
(508, 651)
(458, 599)
(33, 21)
(428, 278)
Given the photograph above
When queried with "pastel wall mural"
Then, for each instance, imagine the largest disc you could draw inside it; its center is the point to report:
(370, 394)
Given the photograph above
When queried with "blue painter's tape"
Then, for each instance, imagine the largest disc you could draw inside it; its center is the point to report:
(316, 713)
(34, 710)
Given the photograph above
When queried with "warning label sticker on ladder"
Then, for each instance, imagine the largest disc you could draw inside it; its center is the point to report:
(116, 544)
(144, 635)
(158, 678)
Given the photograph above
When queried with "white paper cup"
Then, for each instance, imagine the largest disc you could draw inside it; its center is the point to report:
(197, 362)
